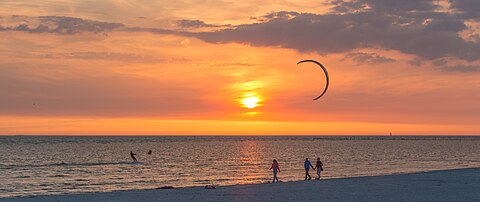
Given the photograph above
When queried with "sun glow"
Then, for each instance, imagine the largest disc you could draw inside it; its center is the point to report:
(250, 102)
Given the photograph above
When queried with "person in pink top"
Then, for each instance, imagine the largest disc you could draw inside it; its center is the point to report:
(275, 170)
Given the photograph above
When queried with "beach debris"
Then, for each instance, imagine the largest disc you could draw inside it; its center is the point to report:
(210, 187)
(326, 75)
(165, 187)
(149, 152)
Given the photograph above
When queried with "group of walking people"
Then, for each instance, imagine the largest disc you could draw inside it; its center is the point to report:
(276, 169)
(307, 165)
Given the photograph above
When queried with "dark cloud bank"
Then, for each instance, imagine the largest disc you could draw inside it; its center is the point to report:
(416, 27)
(409, 26)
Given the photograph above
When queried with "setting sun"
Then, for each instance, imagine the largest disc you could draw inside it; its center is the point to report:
(250, 102)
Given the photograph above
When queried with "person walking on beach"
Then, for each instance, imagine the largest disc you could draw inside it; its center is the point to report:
(318, 167)
(275, 170)
(307, 166)
(133, 156)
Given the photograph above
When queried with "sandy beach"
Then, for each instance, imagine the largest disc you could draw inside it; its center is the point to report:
(445, 185)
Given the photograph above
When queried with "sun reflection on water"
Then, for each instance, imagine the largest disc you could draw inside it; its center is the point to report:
(250, 162)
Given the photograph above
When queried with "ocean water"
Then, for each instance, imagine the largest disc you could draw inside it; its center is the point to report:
(46, 165)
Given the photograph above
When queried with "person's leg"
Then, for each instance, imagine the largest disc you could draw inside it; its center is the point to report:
(274, 176)
(307, 175)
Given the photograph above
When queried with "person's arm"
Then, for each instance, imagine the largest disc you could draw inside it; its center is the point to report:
(278, 168)
(312, 166)
(271, 167)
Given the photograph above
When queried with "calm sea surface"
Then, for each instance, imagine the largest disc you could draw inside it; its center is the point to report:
(62, 165)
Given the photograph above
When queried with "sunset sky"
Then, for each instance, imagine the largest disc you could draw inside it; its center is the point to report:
(226, 67)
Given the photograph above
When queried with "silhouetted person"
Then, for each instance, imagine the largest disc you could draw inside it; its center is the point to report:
(133, 156)
(275, 170)
(318, 167)
(149, 152)
(307, 166)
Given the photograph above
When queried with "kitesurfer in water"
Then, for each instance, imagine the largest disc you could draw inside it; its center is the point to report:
(275, 169)
(133, 156)
(318, 167)
(307, 166)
